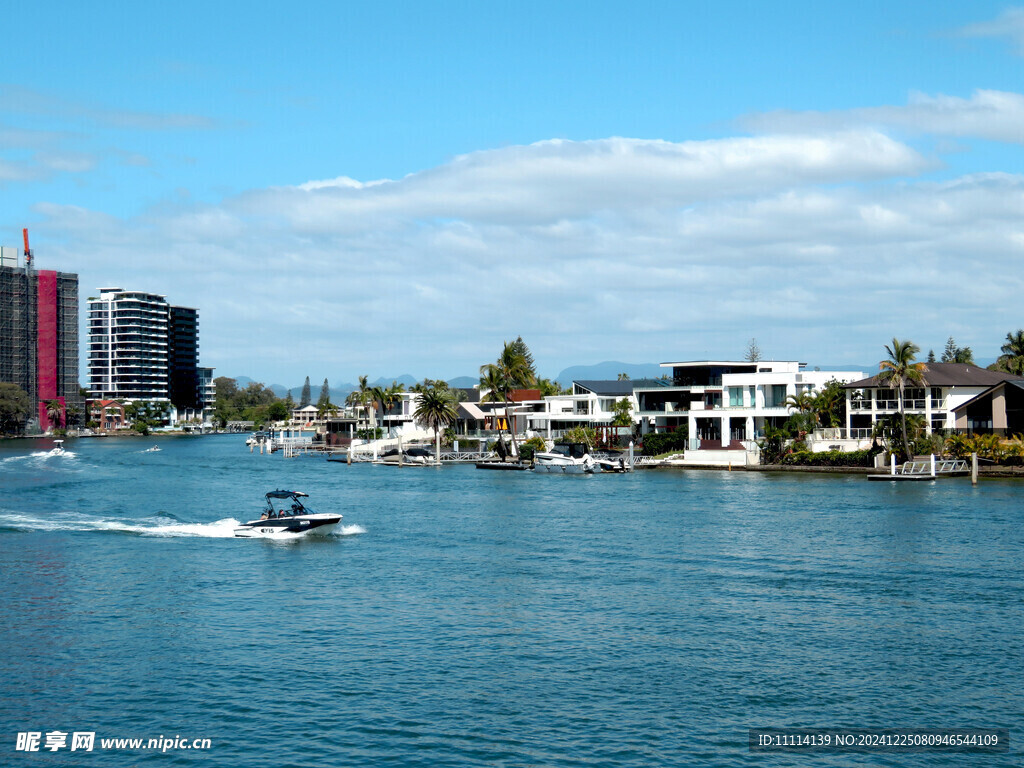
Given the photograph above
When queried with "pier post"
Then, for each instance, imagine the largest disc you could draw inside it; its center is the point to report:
(400, 457)
(974, 469)
(892, 463)
(630, 455)
(933, 464)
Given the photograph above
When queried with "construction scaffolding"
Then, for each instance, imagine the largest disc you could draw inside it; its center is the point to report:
(18, 328)
(20, 332)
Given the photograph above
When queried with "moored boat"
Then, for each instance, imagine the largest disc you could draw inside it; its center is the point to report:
(571, 459)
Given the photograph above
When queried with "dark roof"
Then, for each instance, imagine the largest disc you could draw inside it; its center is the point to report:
(599, 387)
(1018, 384)
(948, 375)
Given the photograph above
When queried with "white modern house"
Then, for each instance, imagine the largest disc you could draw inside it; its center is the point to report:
(947, 387)
(726, 404)
(590, 405)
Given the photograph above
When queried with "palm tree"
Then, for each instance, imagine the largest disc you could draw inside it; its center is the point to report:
(436, 409)
(1012, 359)
(897, 371)
(363, 396)
(326, 409)
(54, 412)
(491, 382)
(376, 401)
(828, 405)
(390, 397)
(511, 371)
(802, 402)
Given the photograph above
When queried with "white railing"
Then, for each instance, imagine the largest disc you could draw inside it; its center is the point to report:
(942, 467)
(841, 433)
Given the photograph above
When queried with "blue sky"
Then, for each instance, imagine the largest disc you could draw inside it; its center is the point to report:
(393, 188)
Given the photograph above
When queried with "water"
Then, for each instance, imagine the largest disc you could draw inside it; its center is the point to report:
(467, 618)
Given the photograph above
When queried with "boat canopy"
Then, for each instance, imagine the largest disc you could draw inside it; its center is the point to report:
(279, 494)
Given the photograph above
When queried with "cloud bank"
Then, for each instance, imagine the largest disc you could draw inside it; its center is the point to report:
(823, 245)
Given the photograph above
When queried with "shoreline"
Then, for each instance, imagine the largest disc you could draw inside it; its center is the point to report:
(983, 471)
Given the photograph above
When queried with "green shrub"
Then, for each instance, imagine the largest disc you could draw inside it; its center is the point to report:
(530, 447)
(586, 435)
(667, 442)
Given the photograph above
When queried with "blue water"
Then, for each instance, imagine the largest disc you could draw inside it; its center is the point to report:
(468, 618)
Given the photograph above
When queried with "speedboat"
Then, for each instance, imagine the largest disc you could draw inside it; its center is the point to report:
(285, 516)
(58, 448)
(571, 459)
(152, 450)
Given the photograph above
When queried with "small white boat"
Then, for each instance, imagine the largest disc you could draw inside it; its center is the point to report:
(571, 459)
(58, 448)
(152, 450)
(286, 517)
(414, 455)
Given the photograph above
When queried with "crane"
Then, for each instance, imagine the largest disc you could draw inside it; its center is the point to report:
(28, 251)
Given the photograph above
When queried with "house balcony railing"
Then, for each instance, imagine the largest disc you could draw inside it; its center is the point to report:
(705, 444)
(841, 433)
(917, 404)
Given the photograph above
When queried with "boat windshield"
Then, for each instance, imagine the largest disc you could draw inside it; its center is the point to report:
(285, 504)
(572, 450)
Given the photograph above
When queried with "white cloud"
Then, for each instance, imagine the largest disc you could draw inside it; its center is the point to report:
(618, 248)
(25, 101)
(987, 114)
(1010, 24)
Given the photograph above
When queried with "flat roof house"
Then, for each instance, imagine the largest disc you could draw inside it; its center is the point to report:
(726, 404)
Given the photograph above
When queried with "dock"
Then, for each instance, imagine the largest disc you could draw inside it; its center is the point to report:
(930, 469)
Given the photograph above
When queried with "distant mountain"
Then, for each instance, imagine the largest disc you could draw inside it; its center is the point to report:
(405, 380)
(463, 382)
(609, 371)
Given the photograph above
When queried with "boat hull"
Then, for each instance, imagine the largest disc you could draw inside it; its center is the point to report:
(560, 464)
(289, 527)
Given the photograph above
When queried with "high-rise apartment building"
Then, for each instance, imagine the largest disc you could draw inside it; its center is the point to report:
(39, 334)
(183, 352)
(142, 348)
(128, 346)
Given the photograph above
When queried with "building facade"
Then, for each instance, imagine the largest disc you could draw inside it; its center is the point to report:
(39, 335)
(944, 388)
(727, 404)
(142, 348)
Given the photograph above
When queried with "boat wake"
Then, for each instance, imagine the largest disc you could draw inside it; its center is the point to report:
(155, 526)
(37, 456)
(160, 526)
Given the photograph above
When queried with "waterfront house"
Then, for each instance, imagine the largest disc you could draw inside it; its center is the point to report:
(590, 405)
(998, 410)
(305, 416)
(725, 405)
(947, 388)
(107, 414)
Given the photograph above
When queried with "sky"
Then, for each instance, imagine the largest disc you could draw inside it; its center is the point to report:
(392, 188)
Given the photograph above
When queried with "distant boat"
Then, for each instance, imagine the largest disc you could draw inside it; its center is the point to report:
(58, 448)
(153, 449)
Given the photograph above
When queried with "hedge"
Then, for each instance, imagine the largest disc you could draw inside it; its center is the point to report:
(830, 459)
